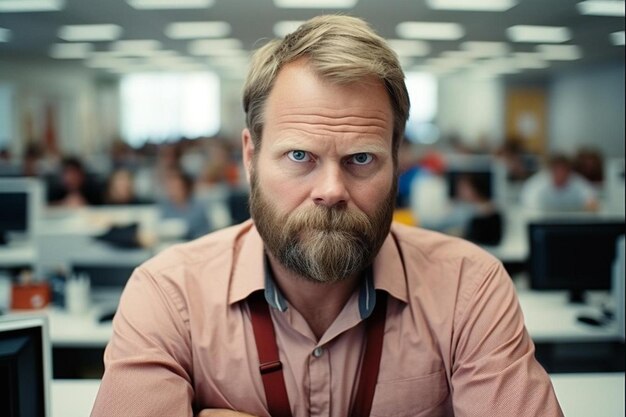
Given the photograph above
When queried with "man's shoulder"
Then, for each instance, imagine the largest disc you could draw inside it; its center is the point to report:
(443, 272)
(438, 247)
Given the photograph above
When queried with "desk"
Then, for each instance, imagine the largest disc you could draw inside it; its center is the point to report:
(78, 331)
(74, 331)
(73, 397)
(580, 395)
(23, 254)
(585, 395)
(550, 317)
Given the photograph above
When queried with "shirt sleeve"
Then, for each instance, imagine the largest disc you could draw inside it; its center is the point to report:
(148, 360)
(495, 372)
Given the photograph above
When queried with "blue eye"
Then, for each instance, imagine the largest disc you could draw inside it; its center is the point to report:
(299, 156)
(361, 158)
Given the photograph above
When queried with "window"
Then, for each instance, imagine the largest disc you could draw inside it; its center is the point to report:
(422, 89)
(161, 107)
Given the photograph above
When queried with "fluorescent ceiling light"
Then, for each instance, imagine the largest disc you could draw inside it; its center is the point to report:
(169, 4)
(617, 38)
(31, 5)
(110, 62)
(539, 34)
(529, 60)
(430, 30)
(472, 5)
(192, 30)
(90, 33)
(229, 46)
(315, 4)
(449, 62)
(498, 66)
(433, 70)
(285, 27)
(405, 47)
(485, 49)
(601, 7)
(5, 35)
(70, 50)
(457, 54)
(183, 66)
(560, 52)
(135, 47)
(532, 64)
(529, 56)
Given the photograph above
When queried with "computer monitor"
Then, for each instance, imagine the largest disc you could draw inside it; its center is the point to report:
(488, 175)
(574, 256)
(22, 200)
(107, 281)
(25, 367)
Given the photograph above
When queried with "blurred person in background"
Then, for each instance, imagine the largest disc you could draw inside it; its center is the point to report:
(589, 163)
(74, 188)
(120, 188)
(558, 188)
(511, 155)
(472, 215)
(180, 203)
(123, 155)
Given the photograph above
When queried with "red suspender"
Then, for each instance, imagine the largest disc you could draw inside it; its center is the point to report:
(375, 328)
(269, 363)
(272, 370)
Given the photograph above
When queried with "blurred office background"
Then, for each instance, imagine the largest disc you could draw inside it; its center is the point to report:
(120, 127)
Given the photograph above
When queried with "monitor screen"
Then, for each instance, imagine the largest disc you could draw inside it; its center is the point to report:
(105, 276)
(24, 367)
(107, 281)
(21, 200)
(14, 212)
(482, 180)
(573, 256)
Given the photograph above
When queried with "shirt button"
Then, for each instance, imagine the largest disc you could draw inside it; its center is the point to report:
(318, 351)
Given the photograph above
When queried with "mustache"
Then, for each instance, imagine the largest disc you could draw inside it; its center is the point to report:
(329, 219)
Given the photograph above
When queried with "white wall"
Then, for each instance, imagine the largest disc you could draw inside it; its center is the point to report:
(70, 88)
(586, 107)
(472, 108)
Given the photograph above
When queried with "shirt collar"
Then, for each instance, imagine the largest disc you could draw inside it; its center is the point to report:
(252, 273)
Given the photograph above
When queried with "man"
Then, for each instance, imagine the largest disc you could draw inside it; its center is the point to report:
(326, 109)
(558, 189)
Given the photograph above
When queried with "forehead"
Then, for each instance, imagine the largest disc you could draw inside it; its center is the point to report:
(299, 90)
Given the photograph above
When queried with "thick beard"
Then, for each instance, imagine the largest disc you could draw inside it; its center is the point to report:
(322, 244)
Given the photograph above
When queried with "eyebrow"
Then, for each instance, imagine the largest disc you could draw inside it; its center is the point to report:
(297, 143)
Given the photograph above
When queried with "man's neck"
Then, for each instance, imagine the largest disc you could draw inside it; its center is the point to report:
(319, 304)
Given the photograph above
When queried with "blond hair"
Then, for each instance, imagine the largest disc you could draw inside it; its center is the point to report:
(341, 49)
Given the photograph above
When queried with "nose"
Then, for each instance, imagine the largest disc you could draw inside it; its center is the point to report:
(330, 187)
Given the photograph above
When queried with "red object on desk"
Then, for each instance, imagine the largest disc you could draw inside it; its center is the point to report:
(30, 296)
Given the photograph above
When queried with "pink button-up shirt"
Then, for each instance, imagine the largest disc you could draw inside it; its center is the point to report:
(454, 344)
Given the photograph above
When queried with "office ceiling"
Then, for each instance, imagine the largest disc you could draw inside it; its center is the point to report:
(32, 34)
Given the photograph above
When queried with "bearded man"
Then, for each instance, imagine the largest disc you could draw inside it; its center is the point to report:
(319, 306)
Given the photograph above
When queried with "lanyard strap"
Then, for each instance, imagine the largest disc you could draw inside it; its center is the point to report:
(271, 367)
